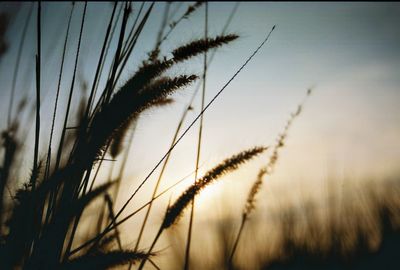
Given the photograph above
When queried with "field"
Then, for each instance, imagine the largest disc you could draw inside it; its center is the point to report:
(196, 135)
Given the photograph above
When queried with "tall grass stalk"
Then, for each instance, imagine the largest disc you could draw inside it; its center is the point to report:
(187, 108)
(37, 122)
(48, 159)
(266, 170)
(45, 218)
(175, 211)
(100, 235)
(100, 64)
(60, 148)
(203, 93)
(195, 120)
(180, 54)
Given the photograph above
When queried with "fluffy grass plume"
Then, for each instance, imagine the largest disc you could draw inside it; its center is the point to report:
(202, 45)
(175, 210)
(126, 105)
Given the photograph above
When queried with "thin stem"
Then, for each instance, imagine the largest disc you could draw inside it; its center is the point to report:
(48, 161)
(177, 130)
(131, 44)
(37, 125)
(106, 197)
(102, 58)
(266, 170)
(35, 171)
(132, 33)
(108, 90)
(97, 169)
(151, 247)
(58, 160)
(116, 224)
(174, 24)
(244, 218)
(124, 58)
(57, 95)
(163, 24)
(107, 229)
(189, 236)
(156, 189)
(118, 52)
(124, 160)
(193, 122)
(69, 106)
(110, 204)
(175, 11)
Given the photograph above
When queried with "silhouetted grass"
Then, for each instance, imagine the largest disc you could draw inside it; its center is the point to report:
(45, 214)
(175, 211)
(42, 220)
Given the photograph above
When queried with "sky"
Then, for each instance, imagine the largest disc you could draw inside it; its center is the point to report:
(348, 52)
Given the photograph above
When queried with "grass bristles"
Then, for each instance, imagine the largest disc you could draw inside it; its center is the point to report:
(152, 69)
(188, 12)
(250, 202)
(124, 105)
(116, 145)
(117, 142)
(269, 167)
(175, 211)
(163, 102)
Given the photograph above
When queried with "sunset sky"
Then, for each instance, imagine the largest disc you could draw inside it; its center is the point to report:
(349, 53)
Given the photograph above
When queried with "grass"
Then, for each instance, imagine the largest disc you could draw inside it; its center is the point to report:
(42, 221)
